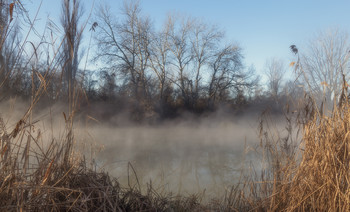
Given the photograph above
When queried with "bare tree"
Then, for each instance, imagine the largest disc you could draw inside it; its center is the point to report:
(179, 40)
(159, 59)
(201, 65)
(71, 14)
(226, 70)
(204, 42)
(275, 70)
(325, 63)
(192, 44)
(125, 46)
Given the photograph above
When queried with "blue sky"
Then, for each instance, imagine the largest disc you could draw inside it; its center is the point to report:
(264, 29)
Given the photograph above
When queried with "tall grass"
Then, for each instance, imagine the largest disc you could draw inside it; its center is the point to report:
(307, 175)
(321, 180)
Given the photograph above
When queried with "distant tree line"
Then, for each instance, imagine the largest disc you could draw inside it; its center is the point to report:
(187, 65)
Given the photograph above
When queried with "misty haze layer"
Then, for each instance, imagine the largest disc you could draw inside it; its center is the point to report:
(180, 156)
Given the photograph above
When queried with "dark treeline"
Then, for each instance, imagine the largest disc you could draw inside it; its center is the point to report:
(186, 65)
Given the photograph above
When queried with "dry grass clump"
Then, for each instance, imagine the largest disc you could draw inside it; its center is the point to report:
(321, 181)
(300, 173)
(314, 177)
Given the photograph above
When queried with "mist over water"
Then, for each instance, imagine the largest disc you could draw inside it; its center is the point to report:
(182, 156)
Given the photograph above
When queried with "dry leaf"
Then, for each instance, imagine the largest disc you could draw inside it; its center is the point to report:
(47, 173)
(324, 83)
(11, 10)
(64, 115)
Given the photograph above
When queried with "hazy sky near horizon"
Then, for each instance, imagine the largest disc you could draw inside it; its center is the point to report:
(264, 29)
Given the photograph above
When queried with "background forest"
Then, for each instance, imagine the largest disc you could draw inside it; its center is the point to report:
(128, 66)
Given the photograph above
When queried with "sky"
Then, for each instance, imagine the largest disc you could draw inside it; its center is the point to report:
(263, 28)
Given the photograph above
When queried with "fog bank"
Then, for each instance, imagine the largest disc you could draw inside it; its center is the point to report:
(185, 155)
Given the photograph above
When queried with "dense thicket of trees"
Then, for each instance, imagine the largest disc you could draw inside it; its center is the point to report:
(187, 64)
